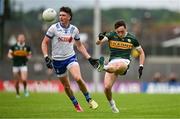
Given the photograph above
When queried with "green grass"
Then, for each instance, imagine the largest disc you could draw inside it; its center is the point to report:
(53, 105)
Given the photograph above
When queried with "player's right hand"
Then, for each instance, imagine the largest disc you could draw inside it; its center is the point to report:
(48, 62)
(93, 62)
(140, 71)
(101, 35)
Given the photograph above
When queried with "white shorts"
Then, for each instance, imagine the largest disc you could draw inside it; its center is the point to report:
(17, 69)
(126, 61)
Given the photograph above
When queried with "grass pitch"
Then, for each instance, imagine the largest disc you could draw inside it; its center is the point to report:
(55, 105)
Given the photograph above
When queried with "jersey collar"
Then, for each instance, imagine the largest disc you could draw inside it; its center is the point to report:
(21, 45)
(125, 34)
(63, 25)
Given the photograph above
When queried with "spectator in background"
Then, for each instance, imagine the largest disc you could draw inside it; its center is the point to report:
(172, 78)
(157, 77)
(49, 74)
(20, 53)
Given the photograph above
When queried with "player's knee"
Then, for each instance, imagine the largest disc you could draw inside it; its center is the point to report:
(107, 88)
(77, 78)
(17, 83)
(23, 79)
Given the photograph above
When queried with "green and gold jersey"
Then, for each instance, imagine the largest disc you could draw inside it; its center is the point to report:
(20, 54)
(121, 47)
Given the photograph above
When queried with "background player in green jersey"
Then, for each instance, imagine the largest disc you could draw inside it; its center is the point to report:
(120, 44)
(20, 53)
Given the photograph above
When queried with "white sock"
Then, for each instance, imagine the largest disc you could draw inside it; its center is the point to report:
(112, 103)
(105, 67)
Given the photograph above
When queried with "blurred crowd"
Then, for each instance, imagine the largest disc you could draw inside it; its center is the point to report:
(170, 78)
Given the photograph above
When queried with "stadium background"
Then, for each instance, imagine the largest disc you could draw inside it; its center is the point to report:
(158, 30)
(153, 96)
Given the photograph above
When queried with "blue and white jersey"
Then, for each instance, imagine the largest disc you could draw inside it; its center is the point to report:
(62, 40)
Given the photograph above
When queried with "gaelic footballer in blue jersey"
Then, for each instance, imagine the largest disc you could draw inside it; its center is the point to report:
(62, 36)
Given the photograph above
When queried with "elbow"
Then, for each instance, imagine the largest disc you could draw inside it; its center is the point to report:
(9, 56)
(98, 42)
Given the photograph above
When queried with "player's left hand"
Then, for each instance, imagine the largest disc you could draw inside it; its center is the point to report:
(93, 62)
(140, 71)
(101, 35)
(48, 62)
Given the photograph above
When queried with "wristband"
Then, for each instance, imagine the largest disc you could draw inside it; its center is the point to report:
(141, 65)
(45, 55)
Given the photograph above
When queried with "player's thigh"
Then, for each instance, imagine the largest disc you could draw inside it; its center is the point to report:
(24, 72)
(74, 69)
(122, 68)
(109, 79)
(120, 65)
(16, 73)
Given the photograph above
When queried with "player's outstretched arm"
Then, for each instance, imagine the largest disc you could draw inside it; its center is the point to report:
(82, 49)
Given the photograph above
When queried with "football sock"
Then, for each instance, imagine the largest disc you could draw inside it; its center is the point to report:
(25, 86)
(105, 67)
(112, 103)
(74, 101)
(87, 96)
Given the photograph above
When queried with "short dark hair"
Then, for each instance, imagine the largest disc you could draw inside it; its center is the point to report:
(67, 10)
(119, 23)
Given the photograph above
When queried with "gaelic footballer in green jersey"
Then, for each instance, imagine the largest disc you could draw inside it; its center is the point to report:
(20, 53)
(120, 43)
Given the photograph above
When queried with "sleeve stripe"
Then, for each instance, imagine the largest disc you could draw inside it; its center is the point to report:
(77, 39)
(49, 36)
(105, 38)
(138, 47)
